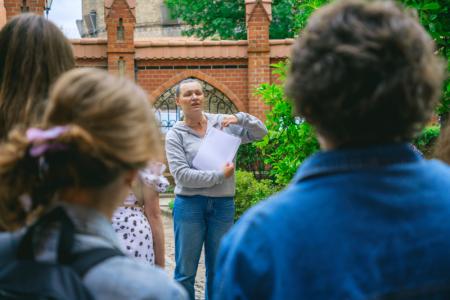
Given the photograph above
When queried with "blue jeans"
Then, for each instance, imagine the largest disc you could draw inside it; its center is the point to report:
(198, 220)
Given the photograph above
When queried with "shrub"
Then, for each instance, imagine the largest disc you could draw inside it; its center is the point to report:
(171, 204)
(290, 140)
(250, 191)
(426, 140)
(249, 158)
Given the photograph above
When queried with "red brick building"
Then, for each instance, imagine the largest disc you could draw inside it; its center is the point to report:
(230, 70)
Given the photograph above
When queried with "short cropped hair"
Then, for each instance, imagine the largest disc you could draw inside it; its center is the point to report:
(364, 72)
(185, 81)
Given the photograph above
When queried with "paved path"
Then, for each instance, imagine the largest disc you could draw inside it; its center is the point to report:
(170, 254)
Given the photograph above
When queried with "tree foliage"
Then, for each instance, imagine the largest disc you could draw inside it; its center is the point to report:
(225, 19)
(290, 140)
(434, 15)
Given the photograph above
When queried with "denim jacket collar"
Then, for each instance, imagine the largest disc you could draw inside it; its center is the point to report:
(344, 160)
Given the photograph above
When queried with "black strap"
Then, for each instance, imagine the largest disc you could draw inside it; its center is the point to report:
(66, 235)
(82, 262)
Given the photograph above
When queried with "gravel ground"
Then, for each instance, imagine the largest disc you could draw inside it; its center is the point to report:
(170, 259)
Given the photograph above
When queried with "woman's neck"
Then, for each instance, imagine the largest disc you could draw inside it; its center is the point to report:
(196, 121)
(104, 200)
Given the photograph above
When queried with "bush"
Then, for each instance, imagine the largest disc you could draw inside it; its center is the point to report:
(250, 158)
(250, 191)
(171, 204)
(290, 139)
(426, 140)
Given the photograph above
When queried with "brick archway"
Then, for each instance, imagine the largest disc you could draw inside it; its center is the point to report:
(202, 76)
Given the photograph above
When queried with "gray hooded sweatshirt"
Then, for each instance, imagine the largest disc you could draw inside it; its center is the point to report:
(182, 144)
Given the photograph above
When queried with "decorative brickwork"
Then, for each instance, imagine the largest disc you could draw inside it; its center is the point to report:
(15, 7)
(2, 13)
(120, 21)
(258, 16)
(235, 68)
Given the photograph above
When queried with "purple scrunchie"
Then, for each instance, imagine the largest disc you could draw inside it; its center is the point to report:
(42, 136)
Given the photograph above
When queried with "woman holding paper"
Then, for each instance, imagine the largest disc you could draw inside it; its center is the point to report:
(204, 205)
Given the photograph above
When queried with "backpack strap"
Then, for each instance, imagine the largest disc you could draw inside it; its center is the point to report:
(82, 262)
(66, 235)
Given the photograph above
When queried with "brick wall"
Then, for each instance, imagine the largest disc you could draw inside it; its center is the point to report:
(16, 7)
(258, 22)
(231, 75)
(2, 13)
(92, 63)
(120, 47)
(236, 76)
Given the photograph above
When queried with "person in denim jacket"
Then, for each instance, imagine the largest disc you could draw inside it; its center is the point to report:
(367, 217)
(98, 131)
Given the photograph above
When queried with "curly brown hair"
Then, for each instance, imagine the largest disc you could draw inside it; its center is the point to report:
(364, 72)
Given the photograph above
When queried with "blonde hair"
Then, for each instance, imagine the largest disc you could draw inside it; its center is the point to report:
(109, 128)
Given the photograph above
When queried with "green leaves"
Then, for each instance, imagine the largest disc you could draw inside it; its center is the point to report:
(211, 19)
(290, 140)
(250, 191)
(425, 141)
(431, 6)
(225, 19)
(434, 15)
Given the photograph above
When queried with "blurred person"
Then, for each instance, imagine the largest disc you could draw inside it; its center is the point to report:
(367, 217)
(138, 221)
(96, 133)
(33, 54)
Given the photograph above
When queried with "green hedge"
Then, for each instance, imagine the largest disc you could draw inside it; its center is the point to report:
(426, 140)
(250, 191)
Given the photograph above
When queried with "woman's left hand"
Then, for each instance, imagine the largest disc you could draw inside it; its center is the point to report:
(229, 119)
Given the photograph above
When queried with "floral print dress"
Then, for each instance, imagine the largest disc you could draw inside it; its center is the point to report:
(130, 222)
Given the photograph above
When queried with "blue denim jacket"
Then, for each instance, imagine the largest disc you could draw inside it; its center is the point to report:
(115, 278)
(354, 224)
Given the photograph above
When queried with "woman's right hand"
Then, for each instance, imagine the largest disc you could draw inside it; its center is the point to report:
(228, 170)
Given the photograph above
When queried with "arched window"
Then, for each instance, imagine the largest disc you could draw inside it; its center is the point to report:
(24, 7)
(121, 66)
(120, 30)
(168, 112)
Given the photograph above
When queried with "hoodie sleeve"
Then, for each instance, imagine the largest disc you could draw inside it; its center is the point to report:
(249, 128)
(182, 172)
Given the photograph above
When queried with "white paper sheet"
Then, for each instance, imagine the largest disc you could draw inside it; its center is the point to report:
(217, 149)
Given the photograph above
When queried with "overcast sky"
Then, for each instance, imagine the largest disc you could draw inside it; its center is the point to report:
(64, 13)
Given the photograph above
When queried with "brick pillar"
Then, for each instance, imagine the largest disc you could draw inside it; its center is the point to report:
(2, 13)
(258, 17)
(16, 7)
(120, 21)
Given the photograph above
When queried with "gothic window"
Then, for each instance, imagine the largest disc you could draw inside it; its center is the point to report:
(24, 8)
(168, 113)
(121, 66)
(120, 31)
